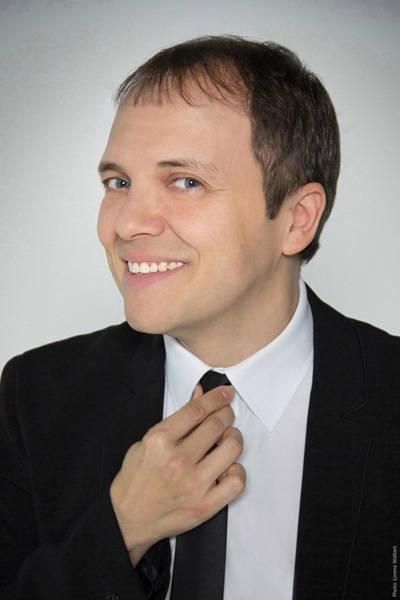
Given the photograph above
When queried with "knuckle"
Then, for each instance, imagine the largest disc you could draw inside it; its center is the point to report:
(155, 439)
(175, 467)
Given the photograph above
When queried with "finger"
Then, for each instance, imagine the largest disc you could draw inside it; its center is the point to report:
(202, 439)
(231, 486)
(218, 462)
(185, 420)
(240, 440)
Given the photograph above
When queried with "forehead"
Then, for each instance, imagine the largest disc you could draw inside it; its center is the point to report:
(204, 126)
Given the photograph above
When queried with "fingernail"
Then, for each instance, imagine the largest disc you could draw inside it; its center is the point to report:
(228, 392)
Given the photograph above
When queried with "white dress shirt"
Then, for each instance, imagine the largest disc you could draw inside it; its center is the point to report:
(271, 406)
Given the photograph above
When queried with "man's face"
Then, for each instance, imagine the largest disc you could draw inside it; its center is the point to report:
(184, 200)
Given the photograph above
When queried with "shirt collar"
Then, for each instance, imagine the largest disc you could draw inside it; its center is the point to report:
(266, 381)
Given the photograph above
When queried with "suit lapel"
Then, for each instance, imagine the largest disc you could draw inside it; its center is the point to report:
(137, 404)
(335, 460)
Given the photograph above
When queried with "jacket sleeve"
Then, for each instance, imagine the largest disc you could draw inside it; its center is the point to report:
(89, 561)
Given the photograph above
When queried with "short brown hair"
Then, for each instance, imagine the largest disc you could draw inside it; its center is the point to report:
(295, 134)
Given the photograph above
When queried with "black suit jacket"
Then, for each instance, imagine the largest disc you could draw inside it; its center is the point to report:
(70, 411)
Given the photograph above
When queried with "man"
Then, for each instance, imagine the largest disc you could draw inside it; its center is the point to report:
(219, 174)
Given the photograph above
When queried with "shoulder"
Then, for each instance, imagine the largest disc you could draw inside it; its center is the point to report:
(79, 348)
(94, 357)
(327, 316)
(377, 349)
(114, 335)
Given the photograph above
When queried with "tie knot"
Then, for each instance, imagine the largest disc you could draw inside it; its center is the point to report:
(212, 379)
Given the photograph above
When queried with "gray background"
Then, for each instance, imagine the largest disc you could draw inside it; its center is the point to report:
(62, 60)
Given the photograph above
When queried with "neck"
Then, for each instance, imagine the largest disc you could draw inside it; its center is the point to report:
(227, 344)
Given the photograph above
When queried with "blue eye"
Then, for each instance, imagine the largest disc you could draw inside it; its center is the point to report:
(187, 183)
(117, 183)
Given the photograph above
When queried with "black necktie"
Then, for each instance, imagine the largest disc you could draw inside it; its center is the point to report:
(199, 567)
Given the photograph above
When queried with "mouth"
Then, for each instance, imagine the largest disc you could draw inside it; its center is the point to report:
(153, 267)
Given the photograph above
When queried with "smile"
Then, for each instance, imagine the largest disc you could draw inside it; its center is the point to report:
(153, 267)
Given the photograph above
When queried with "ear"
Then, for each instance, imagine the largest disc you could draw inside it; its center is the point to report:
(305, 208)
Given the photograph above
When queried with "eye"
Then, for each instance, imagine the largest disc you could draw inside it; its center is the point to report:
(117, 183)
(186, 183)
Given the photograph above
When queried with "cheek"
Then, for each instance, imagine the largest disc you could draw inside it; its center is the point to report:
(105, 227)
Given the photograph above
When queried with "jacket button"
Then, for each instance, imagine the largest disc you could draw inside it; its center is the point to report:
(111, 596)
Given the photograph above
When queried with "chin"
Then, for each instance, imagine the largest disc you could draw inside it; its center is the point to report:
(151, 315)
(144, 326)
(146, 323)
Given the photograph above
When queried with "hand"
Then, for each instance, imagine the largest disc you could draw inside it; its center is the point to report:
(168, 483)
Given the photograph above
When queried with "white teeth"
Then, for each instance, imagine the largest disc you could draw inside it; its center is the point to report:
(153, 267)
(144, 268)
(134, 267)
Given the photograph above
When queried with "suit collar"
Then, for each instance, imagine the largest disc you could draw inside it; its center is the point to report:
(336, 453)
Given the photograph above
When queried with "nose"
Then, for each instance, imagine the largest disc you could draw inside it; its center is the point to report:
(139, 215)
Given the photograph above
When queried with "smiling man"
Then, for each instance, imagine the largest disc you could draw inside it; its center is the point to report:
(120, 453)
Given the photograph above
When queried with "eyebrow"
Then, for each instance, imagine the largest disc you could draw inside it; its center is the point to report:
(108, 166)
(190, 163)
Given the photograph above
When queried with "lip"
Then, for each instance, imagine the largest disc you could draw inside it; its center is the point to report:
(141, 280)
